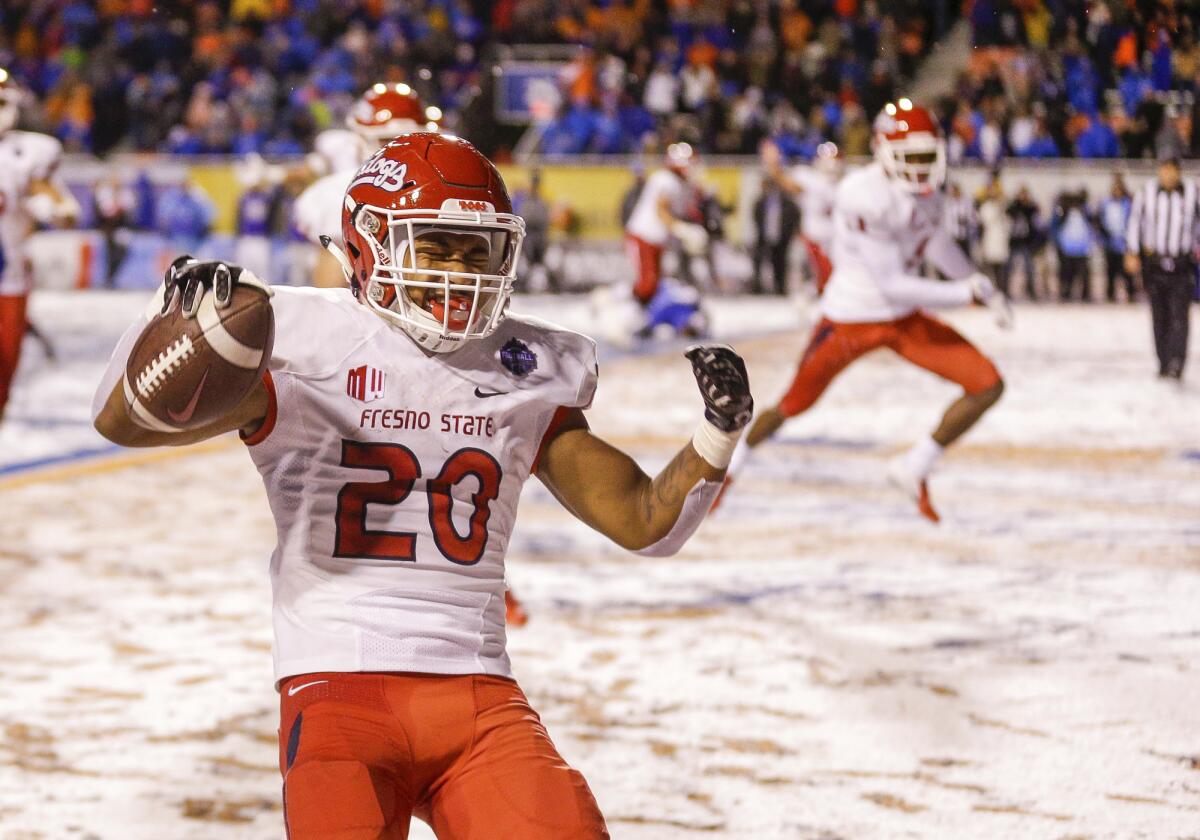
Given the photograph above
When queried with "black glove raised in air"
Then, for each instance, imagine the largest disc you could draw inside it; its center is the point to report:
(721, 375)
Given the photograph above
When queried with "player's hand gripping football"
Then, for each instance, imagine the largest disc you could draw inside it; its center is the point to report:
(724, 384)
(188, 280)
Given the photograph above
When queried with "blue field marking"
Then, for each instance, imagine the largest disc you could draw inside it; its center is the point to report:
(725, 598)
(49, 422)
(1191, 454)
(56, 460)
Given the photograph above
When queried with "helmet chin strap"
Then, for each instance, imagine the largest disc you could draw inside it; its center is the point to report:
(338, 254)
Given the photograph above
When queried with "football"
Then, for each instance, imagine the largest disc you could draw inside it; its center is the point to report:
(184, 373)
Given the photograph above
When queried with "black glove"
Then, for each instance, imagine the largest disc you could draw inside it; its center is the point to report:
(721, 375)
(188, 279)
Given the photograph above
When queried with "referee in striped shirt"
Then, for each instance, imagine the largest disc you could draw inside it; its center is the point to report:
(1161, 241)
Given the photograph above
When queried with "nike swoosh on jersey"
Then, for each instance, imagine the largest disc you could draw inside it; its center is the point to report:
(296, 689)
(479, 393)
(190, 408)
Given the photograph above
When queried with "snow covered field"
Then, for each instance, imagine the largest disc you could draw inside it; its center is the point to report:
(818, 663)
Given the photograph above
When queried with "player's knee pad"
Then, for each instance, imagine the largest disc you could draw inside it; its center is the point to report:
(338, 800)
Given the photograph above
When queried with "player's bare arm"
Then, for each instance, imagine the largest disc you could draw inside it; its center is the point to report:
(178, 409)
(606, 488)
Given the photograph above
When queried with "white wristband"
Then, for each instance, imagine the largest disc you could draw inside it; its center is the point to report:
(713, 445)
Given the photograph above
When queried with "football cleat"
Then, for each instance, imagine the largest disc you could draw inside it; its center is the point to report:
(916, 487)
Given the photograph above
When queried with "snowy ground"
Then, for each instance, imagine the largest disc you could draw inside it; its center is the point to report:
(817, 663)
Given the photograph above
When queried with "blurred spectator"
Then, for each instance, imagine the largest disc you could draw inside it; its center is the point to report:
(532, 207)
(1098, 140)
(776, 220)
(629, 200)
(1113, 216)
(254, 217)
(184, 216)
(113, 206)
(1024, 234)
(1073, 238)
(960, 218)
(265, 75)
(994, 231)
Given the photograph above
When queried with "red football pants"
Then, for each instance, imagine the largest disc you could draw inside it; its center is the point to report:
(919, 338)
(362, 753)
(647, 266)
(821, 266)
(12, 330)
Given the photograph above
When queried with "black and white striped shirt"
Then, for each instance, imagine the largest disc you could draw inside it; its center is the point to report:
(1163, 222)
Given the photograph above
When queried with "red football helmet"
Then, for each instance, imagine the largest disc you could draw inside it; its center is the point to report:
(417, 185)
(386, 111)
(10, 101)
(909, 146)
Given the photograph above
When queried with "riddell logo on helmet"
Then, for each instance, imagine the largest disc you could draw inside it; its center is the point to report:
(387, 175)
(468, 206)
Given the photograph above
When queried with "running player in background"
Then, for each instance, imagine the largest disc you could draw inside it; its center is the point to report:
(383, 111)
(815, 187)
(395, 427)
(887, 221)
(659, 213)
(30, 195)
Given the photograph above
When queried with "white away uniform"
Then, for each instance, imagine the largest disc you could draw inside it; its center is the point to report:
(881, 236)
(25, 157)
(335, 149)
(818, 192)
(645, 223)
(394, 478)
(318, 209)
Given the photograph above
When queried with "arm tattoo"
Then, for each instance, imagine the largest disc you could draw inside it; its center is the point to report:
(665, 494)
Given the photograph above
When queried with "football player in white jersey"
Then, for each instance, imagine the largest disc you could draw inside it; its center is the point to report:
(381, 113)
(29, 194)
(394, 429)
(658, 214)
(887, 221)
(815, 186)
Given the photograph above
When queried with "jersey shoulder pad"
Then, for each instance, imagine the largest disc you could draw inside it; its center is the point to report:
(548, 364)
(318, 209)
(866, 195)
(316, 329)
(41, 151)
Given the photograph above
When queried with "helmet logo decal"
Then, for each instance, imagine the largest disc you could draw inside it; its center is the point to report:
(385, 174)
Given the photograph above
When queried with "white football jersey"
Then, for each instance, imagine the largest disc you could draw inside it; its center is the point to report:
(882, 234)
(644, 222)
(817, 195)
(25, 157)
(338, 148)
(318, 210)
(394, 477)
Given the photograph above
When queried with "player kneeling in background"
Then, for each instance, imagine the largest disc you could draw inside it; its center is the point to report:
(394, 428)
(887, 220)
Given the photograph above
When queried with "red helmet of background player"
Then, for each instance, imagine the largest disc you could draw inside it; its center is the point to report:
(420, 184)
(385, 111)
(10, 101)
(909, 146)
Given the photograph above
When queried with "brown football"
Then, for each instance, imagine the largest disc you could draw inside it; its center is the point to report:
(186, 373)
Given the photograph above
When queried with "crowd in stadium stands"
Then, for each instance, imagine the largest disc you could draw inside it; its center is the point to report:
(264, 75)
(1066, 78)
